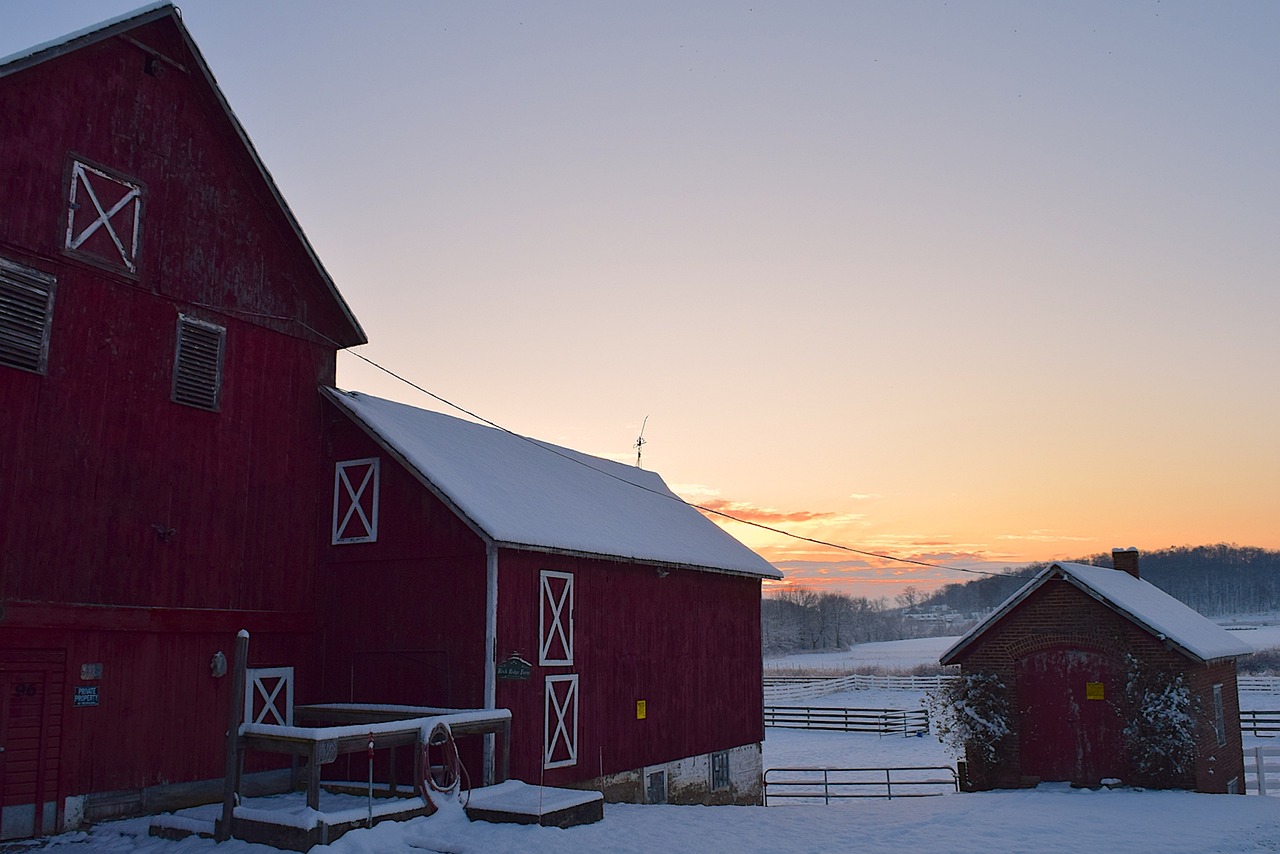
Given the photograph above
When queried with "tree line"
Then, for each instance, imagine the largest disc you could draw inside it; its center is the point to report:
(805, 621)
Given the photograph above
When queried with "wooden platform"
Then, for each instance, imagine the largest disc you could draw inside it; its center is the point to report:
(285, 821)
(514, 802)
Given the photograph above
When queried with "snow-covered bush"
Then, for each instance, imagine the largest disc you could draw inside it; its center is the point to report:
(972, 711)
(1161, 732)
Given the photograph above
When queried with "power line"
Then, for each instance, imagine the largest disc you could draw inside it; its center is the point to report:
(552, 449)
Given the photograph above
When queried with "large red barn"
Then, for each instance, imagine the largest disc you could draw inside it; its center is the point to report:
(164, 328)
(170, 456)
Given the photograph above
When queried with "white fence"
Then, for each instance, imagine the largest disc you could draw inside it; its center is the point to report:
(1259, 684)
(1256, 781)
(778, 689)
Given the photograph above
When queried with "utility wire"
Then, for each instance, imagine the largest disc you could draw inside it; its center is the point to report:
(552, 449)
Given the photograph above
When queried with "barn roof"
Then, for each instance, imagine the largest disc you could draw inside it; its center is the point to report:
(1137, 600)
(353, 334)
(527, 494)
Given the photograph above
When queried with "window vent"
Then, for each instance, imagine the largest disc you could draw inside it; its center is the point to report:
(26, 313)
(197, 364)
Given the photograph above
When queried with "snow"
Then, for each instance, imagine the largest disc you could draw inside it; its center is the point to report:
(901, 655)
(513, 796)
(1052, 818)
(1141, 601)
(526, 493)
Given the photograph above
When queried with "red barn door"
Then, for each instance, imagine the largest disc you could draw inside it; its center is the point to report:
(30, 742)
(1070, 727)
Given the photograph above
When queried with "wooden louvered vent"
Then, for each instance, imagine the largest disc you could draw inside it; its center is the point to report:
(197, 366)
(26, 309)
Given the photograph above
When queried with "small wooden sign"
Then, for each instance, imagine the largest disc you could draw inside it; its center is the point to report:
(1094, 691)
(514, 669)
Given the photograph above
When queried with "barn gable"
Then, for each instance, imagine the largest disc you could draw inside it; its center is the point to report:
(522, 493)
(1135, 599)
(130, 106)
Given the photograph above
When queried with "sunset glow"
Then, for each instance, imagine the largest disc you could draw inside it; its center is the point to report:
(973, 284)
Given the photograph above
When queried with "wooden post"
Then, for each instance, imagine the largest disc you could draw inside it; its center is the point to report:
(235, 712)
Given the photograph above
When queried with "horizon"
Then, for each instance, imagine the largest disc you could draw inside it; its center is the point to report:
(983, 286)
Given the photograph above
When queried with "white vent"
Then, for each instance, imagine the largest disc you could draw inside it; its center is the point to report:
(26, 313)
(197, 363)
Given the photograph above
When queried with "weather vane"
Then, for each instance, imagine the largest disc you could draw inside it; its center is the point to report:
(640, 442)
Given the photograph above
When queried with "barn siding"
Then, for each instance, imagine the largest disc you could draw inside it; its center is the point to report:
(1060, 615)
(98, 463)
(687, 644)
(420, 586)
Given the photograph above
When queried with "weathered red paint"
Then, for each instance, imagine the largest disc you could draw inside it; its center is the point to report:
(139, 534)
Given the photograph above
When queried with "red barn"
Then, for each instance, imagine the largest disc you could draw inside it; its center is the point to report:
(619, 625)
(164, 330)
(174, 470)
(1106, 677)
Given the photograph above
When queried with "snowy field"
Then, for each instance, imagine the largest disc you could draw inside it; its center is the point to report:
(1051, 818)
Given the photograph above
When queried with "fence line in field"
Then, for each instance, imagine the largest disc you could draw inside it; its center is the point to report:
(800, 688)
(880, 721)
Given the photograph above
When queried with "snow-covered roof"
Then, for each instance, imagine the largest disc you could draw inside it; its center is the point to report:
(524, 493)
(150, 13)
(1134, 598)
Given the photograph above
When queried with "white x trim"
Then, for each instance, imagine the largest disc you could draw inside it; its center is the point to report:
(80, 178)
(559, 606)
(256, 687)
(366, 531)
(560, 722)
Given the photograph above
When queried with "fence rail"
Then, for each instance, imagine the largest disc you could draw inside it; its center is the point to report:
(1259, 721)
(1259, 684)
(1260, 769)
(881, 721)
(841, 783)
(800, 688)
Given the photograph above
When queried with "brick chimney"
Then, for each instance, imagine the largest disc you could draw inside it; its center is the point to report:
(1125, 560)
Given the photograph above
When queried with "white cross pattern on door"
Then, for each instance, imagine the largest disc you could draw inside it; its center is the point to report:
(555, 620)
(119, 217)
(560, 721)
(355, 507)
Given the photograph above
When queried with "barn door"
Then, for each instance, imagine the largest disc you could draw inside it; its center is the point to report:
(555, 649)
(1071, 728)
(30, 739)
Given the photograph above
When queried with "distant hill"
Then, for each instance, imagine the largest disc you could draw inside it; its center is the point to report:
(1215, 580)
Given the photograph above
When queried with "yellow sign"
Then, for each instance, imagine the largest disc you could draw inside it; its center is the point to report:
(641, 711)
(1094, 691)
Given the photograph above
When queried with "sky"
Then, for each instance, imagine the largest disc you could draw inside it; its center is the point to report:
(973, 284)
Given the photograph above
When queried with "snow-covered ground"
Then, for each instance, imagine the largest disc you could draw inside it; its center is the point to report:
(1051, 818)
(896, 655)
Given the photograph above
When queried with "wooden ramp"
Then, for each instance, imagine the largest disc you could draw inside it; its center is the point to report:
(514, 802)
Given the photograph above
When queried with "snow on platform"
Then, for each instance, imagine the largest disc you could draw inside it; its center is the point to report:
(514, 802)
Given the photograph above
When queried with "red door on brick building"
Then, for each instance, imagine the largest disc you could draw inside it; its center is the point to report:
(1071, 727)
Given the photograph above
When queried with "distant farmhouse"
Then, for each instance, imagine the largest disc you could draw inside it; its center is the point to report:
(178, 466)
(1105, 678)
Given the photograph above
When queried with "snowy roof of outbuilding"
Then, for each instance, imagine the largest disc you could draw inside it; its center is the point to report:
(165, 9)
(1136, 599)
(524, 493)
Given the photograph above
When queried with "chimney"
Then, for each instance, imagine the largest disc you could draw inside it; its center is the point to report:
(1125, 560)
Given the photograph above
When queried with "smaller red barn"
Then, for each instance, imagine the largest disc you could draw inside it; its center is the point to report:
(472, 567)
(1100, 675)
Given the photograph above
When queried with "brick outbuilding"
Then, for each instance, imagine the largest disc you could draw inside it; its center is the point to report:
(1107, 677)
